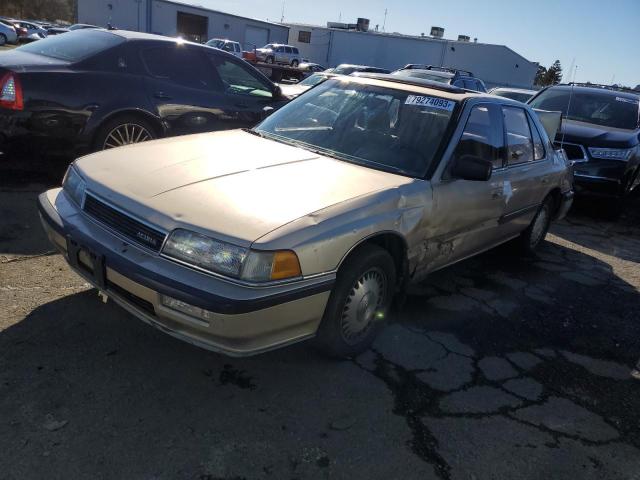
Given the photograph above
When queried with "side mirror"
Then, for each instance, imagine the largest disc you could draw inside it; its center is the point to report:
(470, 167)
(268, 110)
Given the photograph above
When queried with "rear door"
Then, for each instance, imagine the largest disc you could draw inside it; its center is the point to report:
(280, 55)
(467, 213)
(528, 170)
(185, 91)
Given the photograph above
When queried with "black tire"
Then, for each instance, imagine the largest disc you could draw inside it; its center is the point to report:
(537, 230)
(269, 59)
(3, 39)
(368, 265)
(118, 122)
(295, 63)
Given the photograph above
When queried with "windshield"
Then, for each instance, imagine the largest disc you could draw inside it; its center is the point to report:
(383, 128)
(73, 46)
(424, 75)
(609, 109)
(519, 96)
(313, 80)
(216, 43)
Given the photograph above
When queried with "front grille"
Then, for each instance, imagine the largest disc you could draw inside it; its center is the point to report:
(141, 303)
(123, 224)
(574, 152)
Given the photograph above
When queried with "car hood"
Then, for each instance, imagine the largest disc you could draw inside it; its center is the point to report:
(592, 135)
(233, 185)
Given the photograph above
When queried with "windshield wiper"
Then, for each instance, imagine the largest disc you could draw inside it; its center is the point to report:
(304, 129)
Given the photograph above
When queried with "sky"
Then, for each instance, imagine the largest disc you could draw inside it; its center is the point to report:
(601, 38)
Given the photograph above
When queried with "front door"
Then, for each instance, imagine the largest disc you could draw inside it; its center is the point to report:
(466, 214)
(185, 91)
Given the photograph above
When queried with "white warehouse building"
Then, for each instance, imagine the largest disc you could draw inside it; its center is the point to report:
(171, 18)
(496, 65)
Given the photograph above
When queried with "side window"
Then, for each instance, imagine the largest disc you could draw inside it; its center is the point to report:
(280, 49)
(228, 47)
(239, 80)
(482, 136)
(295, 51)
(237, 47)
(459, 83)
(287, 49)
(181, 66)
(470, 84)
(538, 145)
(519, 142)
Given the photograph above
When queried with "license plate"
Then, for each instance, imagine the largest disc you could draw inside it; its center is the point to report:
(90, 262)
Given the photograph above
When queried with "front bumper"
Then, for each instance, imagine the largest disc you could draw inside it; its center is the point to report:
(242, 321)
(566, 200)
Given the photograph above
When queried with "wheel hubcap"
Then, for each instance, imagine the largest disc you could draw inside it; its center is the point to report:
(126, 134)
(539, 226)
(363, 305)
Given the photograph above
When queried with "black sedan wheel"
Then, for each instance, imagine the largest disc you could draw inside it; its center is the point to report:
(124, 131)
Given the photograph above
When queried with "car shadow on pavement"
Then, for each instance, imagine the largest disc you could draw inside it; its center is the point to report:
(497, 358)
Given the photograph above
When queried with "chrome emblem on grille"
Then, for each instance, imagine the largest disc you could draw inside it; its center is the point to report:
(146, 238)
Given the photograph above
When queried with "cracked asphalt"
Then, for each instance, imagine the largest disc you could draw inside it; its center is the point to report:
(498, 367)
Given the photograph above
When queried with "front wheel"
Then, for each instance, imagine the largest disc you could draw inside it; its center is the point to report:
(537, 230)
(269, 59)
(358, 303)
(295, 63)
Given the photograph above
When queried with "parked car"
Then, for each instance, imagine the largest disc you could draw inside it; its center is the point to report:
(8, 33)
(293, 90)
(451, 76)
(519, 94)
(95, 89)
(311, 67)
(57, 30)
(277, 53)
(81, 26)
(227, 45)
(600, 133)
(29, 31)
(308, 224)
(348, 69)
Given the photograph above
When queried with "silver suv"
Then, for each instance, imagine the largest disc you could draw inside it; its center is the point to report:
(276, 53)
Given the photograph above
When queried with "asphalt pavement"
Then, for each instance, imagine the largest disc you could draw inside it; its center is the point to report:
(499, 367)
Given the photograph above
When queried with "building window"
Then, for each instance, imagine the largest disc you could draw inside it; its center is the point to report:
(304, 36)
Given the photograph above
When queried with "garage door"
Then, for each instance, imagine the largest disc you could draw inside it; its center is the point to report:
(255, 37)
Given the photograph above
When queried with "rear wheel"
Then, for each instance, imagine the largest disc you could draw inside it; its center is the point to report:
(358, 303)
(537, 230)
(3, 39)
(124, 130)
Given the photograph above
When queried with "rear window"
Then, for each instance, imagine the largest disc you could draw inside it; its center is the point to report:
(73, 46)
(608, 109)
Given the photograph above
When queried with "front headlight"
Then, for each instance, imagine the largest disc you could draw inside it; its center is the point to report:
(611, 153)
(230, 260)
(74, 185)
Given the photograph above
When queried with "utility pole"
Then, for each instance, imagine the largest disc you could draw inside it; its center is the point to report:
(282, 16)
(385, 19)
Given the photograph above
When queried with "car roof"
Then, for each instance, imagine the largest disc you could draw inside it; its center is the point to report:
(598, 89)
(435, 73)
(515, 90)
(419, 85)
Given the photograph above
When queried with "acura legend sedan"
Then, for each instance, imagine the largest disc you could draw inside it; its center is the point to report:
(309, 224)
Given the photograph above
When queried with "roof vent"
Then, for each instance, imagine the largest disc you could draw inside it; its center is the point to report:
(464, 38)
(437, 32)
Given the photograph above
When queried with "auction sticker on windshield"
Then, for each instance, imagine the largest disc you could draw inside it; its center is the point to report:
(433, 102)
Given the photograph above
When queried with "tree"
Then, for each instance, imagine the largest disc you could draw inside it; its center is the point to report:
(39, 9)
(540, 75)
(554, 74)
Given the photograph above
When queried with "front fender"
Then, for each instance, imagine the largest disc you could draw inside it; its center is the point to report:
(323, 239)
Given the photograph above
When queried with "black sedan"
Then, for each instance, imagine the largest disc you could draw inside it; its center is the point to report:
(94, 89)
